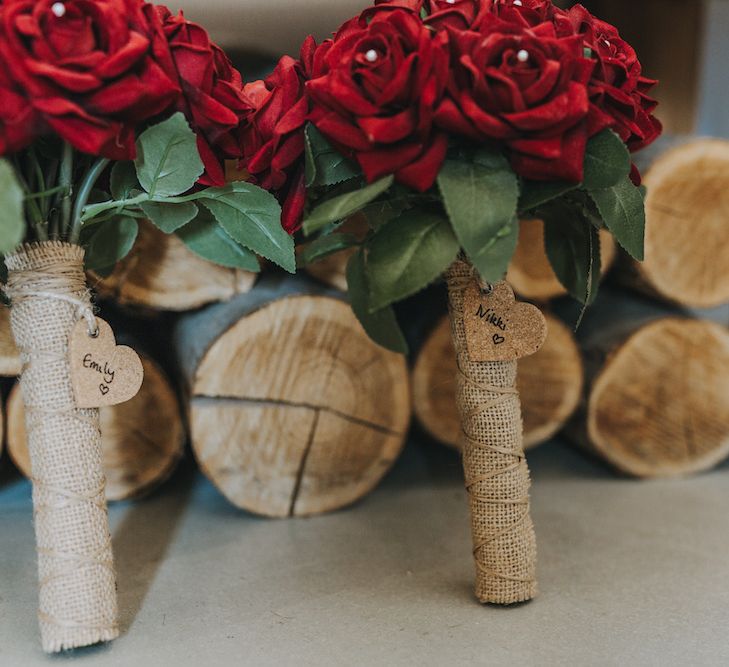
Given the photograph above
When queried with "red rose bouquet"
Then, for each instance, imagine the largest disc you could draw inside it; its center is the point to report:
(444, 122)
(112, 110)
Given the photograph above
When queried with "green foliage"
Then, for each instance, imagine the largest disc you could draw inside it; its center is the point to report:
(538, 193)
(408, 255)
(12, 228)
(169, 217)
(381, 325)
(325, 246)
(622, 209)
(607, 161)
(252, 217)
(495, 257)
(481, 199)
(340, 208)
(207, 239)
(324, 164)
(573, 249)
(168, 162)
(123, 180)
(108, 243)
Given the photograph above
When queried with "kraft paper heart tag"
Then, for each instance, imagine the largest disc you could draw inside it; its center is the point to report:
(498, 328)
(102, 372)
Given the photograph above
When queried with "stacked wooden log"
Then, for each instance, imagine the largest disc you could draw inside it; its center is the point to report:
(293, 409)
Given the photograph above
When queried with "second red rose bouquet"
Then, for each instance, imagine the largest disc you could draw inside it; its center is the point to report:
(443, 122)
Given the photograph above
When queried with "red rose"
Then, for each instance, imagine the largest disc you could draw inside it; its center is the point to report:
(19, 121)
(440, 14)
(617, 87)
(528, 13)
(85, 70)
(376, 100)
(212, 89)
(273, 133)
(527, 88)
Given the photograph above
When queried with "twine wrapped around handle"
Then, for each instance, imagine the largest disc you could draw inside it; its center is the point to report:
(77, 583)
(496, 472)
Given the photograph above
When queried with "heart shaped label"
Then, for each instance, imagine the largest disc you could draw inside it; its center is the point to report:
(102, 372)
(498, 328)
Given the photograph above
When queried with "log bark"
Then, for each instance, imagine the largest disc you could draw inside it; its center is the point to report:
(530, 273)
(687, 235)
(162, 274)
(293, 410)
(656, 401)
(549, 384)
(142, 440)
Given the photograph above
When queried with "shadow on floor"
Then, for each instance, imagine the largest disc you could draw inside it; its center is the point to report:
(142, 538)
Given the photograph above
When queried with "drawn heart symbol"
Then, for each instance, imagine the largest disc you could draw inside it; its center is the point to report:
(102, 372)
(498, 328)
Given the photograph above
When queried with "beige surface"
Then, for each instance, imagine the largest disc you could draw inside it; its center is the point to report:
(631, 573)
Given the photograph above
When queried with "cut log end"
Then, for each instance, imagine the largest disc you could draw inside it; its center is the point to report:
(660, 406)
(9, 356)
(687, 235)
(549, 383)
(161, 273)
(530, 273)
(142, 439)
(294, 411)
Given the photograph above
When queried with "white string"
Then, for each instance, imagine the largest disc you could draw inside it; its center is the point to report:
(83, 308)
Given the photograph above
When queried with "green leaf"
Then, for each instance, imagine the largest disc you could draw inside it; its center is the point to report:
(494, 259)
(324, 164)
(573, 249)
(109, 242)
(325, 246)
(382, 211)
(12, 227)
(408, 255)
(252, 217)
(622, 209)
(341, 207)
(207, 239)
(480, 199)
(607, 161)
(123, 180)
(538, 193)
(381, 325)
(169, 217)
(168, 162)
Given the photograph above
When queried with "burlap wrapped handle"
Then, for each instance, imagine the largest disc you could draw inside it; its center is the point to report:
(77, 585)
(496, 472)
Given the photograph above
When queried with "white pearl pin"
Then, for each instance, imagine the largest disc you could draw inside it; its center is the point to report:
(58, 9)
(371, 56)
(522, 56)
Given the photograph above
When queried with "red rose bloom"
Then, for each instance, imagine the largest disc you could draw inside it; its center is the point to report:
(527, 88)
(617, 87)
(273, 133)
(528, 13)
(19, 121)
(85, 70)
(441, 14)
(376, 100)
(212, 89)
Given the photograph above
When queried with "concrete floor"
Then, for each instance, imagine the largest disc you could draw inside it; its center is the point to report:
(631, 573)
